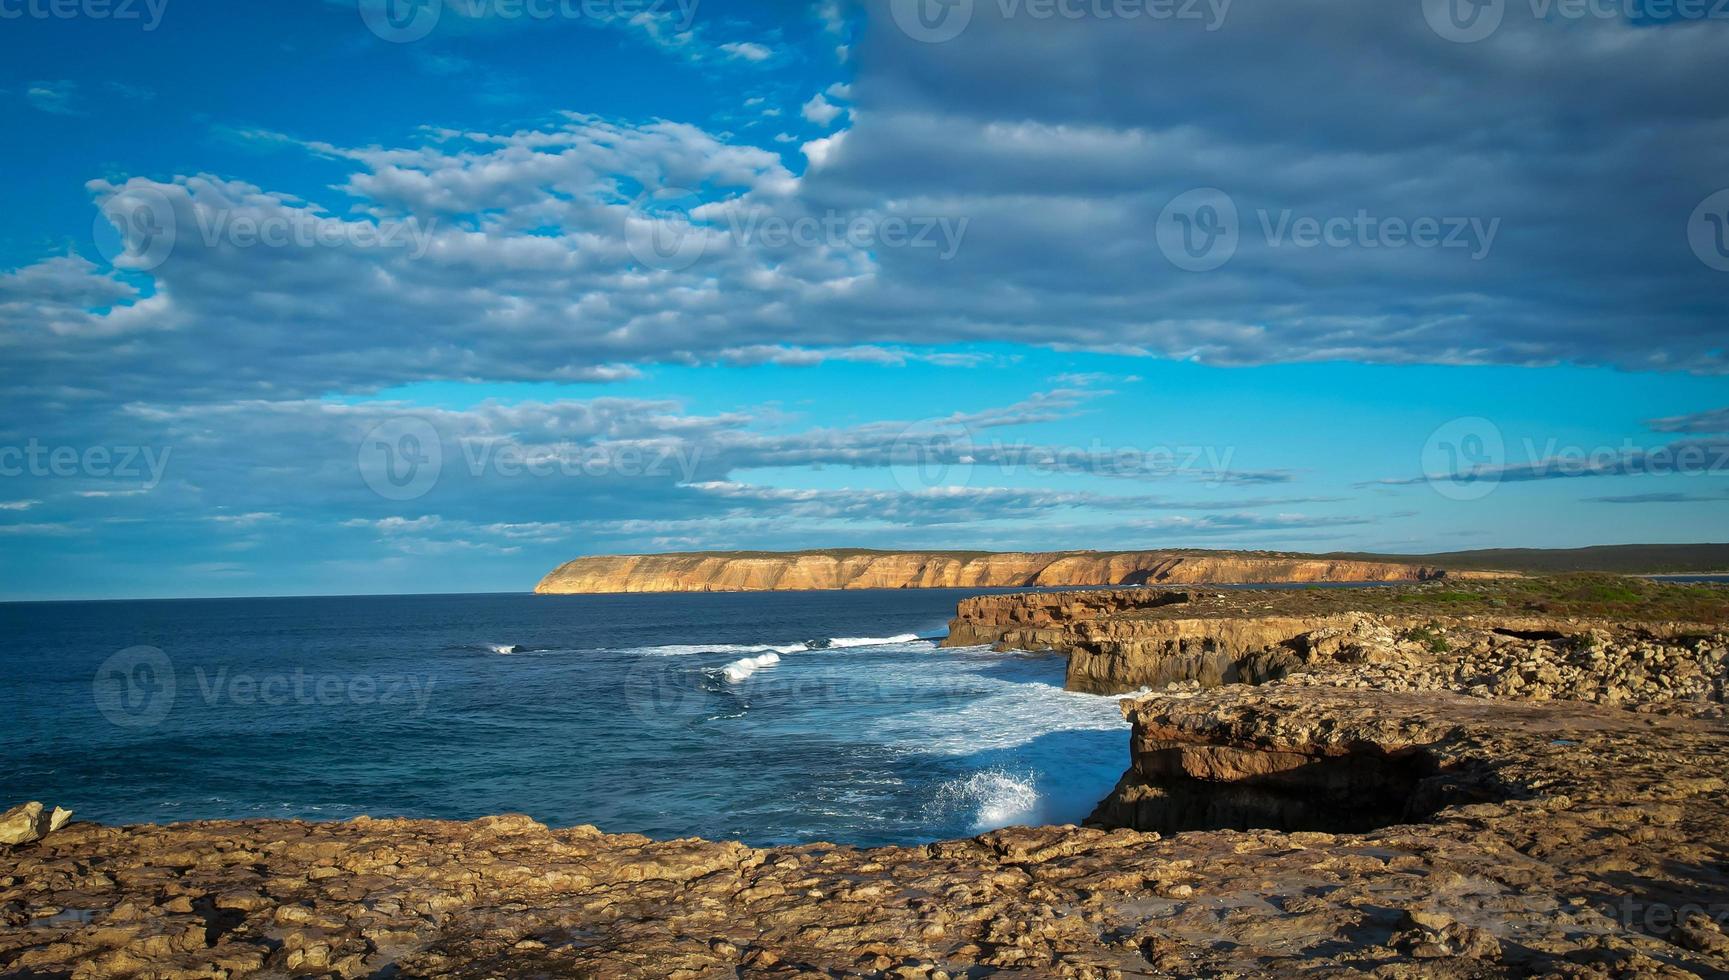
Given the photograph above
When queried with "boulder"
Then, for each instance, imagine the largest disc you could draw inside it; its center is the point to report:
(30, 821)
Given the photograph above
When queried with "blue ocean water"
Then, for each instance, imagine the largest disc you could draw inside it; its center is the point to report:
(765, 717)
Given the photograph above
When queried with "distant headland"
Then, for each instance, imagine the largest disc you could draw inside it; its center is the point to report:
(848, 568)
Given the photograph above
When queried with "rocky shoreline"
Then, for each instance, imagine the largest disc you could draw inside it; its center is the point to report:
(1510, 792)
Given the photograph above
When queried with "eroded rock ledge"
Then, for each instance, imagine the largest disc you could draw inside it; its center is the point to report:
(806, 570)
(1561, 839)
(1484, 637)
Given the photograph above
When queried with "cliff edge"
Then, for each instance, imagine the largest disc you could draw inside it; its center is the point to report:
(811, 570)
(1486, 632)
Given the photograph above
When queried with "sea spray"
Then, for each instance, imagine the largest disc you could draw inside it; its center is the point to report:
(990, 799)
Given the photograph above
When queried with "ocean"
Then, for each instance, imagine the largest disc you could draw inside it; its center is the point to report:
(770, 718)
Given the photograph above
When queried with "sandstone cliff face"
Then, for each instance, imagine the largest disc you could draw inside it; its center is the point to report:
(935, 569)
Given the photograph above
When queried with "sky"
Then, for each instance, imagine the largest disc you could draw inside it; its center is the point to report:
(379, 296)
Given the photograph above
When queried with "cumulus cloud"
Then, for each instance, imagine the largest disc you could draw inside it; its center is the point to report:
(820, 110)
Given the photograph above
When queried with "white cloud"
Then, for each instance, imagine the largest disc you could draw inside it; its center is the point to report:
(820, 110)
(56, 98)
(820, 151)
(747, 51)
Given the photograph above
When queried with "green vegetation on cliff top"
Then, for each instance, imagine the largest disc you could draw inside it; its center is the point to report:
(1576, 596)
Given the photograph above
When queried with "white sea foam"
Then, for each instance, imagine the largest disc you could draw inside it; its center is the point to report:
(740, 669)
(994, 798)
(833, 643)
(685, 649)
(503, 648)
(1007, 715)
(838, 642)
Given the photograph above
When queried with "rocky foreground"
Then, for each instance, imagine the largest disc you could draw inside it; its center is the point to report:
(819, 570)
(1572, 823)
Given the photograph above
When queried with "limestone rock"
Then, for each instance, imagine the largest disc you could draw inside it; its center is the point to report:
(29, 822)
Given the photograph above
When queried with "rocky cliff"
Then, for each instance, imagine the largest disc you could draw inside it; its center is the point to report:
(1119, 641)
(769, 571)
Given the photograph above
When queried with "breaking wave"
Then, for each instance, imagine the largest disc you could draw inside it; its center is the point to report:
(994, 798)
(831, 643)
(740, 669)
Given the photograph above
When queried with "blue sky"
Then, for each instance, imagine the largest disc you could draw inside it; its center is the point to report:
(293, 300)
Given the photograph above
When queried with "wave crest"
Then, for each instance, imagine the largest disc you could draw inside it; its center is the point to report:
(740, 669)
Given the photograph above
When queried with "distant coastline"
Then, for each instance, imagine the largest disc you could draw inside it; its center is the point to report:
(858, 568)
(847, 569)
